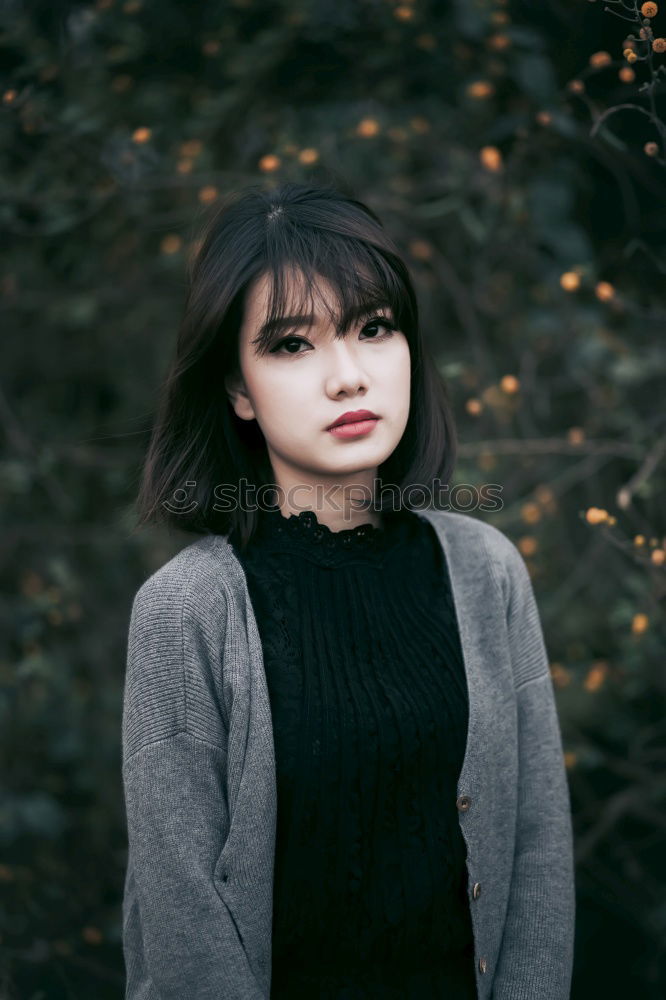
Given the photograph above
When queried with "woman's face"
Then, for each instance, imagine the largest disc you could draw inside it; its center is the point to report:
(308, 378)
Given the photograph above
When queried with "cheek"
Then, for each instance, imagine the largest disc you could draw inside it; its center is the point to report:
(273, 390)
(400, 368)
(267, 394)
(279, 401)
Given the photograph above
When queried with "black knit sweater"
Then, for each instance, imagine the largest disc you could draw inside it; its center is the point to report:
(369, 705)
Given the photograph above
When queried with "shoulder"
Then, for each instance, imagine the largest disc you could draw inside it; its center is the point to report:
(198, 582)
(474, 542)
(179, 624)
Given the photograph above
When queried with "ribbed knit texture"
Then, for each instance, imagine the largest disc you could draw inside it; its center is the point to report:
(369, 706)
(199, 777)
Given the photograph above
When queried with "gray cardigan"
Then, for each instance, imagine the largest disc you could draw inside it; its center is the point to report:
(200, 792)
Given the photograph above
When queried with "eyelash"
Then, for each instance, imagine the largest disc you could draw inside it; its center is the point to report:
(377, 320)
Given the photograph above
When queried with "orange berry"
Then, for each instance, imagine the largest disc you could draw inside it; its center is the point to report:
(599, 59)
(509, 384)
(141, 135)
(207, 194)
(595, 676)
(527, 545)
(491, 158)
(92, 935)
(544, 494)
(269, 163)
(499, 42)
(480, 89)
(193, 147)
(570, 281)
(308, 156)
(367, 128)
(561, 676)
(420, 249)
(530, 512)
(171, 243)
(604, 291)
(649, 10)
(596, 515)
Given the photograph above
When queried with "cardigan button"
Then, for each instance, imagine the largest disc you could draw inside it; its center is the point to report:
(463, 802)
(476, 891)
(482, 965)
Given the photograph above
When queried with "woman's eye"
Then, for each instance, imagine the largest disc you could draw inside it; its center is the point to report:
(287, 340)
(388, 327)
(282, 346)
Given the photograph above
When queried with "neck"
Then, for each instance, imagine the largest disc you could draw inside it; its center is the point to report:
(337, 514)
(337, 520)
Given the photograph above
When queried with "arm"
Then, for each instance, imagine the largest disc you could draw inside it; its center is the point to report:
(179, 939)
(536, 954)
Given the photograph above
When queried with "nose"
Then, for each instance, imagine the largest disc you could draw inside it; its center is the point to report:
(345, 374)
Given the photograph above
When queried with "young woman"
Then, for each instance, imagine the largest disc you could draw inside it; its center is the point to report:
(342, 760)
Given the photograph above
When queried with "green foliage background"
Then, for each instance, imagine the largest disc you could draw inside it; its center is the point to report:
(558, 393)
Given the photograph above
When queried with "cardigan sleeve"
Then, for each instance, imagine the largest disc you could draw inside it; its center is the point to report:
(536, 954)
(180, 941)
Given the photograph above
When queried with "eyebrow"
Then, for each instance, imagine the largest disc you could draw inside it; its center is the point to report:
(271, 327)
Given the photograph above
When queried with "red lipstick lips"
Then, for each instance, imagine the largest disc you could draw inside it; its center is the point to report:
(354, 423)
(353, 416)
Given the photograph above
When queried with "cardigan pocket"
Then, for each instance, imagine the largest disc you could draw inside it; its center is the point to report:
(239, 901)
(253, 977)
(221, 880)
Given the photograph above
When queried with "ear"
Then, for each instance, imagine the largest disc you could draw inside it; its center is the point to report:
(238, 397)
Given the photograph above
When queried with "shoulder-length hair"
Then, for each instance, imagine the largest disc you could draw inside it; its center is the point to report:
(198, 445)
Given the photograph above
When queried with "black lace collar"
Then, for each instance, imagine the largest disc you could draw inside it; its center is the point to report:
(304, 533)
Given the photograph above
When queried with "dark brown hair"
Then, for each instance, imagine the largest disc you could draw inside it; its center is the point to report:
(198, 443)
